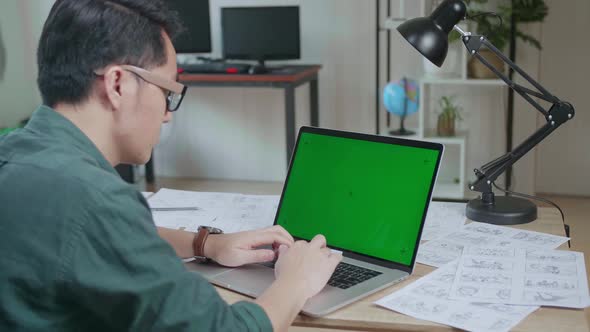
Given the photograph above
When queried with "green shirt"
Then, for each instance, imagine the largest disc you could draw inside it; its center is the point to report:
(79, 250)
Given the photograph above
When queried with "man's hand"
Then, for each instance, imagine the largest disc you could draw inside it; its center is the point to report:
(307, 264)
(237, 249)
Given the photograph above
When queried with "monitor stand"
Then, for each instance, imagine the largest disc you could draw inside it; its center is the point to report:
(259, 68)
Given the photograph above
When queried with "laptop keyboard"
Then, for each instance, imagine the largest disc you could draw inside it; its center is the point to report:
(347, 275)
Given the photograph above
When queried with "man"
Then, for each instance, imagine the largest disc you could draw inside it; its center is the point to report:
(79, 249)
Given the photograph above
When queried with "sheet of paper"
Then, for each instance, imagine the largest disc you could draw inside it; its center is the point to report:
(449, 247)
(146, 194)
(507, 236)
(438, 252)
(443, 218)
(521, 276)
(169, 198)
(228, 211)
(427, 298)
(183, 220)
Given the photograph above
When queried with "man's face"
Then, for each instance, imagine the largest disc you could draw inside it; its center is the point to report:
(143, 111)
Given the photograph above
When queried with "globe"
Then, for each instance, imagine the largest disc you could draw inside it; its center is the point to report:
(400, 98)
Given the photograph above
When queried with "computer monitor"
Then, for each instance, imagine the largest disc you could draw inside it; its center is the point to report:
(261, 33)
(196, 38)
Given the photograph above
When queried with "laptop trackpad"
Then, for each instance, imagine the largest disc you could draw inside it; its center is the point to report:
(251, 280)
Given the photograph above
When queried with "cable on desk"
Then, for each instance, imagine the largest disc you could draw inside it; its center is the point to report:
(566, 227)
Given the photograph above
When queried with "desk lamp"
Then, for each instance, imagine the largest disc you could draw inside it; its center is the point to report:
(429, 35)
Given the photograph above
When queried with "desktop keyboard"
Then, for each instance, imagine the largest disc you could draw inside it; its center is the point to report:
(215, 68)
(347, 275)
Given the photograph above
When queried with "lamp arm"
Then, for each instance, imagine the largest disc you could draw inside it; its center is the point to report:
(486, 177)
(559, 113)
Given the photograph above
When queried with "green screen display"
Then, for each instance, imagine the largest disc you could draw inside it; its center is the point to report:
(367, 197)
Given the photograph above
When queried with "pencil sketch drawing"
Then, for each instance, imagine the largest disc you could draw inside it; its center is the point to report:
(487, 265)
(431, 290)
(434, 258)
(461, 317)
(501, 324)
(495, 279)
(551, 257)
(445, 277)
(497, 307)
(503, 294)
(492, 252)
(485, 230)
(471, 238)
(551, 284)
(421, 307)
(467, 291)
(567, 270)
(505, 244)
(546, 297)
(536, 239)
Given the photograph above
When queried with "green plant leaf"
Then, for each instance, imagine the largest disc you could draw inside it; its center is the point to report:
(529, 39)
(525, 11)
(449, 110)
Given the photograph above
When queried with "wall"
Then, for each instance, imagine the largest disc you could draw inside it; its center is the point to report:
(239, 133)
(20, 28)
(563, 159)
(525, 115)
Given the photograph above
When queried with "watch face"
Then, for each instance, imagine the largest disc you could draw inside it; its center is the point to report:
(200, 259)
(212, 230)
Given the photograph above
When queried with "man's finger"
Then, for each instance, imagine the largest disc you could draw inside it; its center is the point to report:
(267, 238)
(326, 251)
(286, 238)
(281, 230)
(258, 256)
(318, 241)
(335, 259)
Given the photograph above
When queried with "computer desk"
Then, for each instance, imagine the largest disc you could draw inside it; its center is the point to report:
(364, 315)
(287, 77)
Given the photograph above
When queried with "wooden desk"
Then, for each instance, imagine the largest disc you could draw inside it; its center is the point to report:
(285, 77)
(364, 315)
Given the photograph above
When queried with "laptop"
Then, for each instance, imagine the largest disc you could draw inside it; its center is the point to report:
(367, 194)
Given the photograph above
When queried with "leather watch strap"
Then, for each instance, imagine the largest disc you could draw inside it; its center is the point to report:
(199, 242)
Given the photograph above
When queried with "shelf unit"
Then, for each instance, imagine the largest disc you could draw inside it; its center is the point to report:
(452, 180)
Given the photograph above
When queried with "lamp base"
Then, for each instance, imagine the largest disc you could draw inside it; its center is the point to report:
(506, 210)
(401, 132)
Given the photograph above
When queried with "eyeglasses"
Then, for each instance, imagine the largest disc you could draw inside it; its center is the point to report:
(175, 91)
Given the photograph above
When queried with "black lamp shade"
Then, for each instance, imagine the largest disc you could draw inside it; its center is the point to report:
(427, 38)
(430, 35)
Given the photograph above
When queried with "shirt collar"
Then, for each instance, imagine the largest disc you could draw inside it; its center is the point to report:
(46, 121)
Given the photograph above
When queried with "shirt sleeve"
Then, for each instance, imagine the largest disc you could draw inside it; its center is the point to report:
(123, 273)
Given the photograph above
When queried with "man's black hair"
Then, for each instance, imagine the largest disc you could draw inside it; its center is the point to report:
(81, 36)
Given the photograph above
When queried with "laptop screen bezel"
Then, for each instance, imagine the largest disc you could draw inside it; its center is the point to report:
(379, 139)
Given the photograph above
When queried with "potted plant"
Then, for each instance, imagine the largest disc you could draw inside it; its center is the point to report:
(449, 114)
(524, 11)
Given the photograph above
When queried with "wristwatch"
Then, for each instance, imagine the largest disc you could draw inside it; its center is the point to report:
(199, 242)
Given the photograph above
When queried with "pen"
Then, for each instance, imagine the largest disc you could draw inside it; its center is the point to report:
(194, 208)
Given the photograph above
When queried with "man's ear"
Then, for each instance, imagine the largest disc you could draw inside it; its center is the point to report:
(114, 86)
